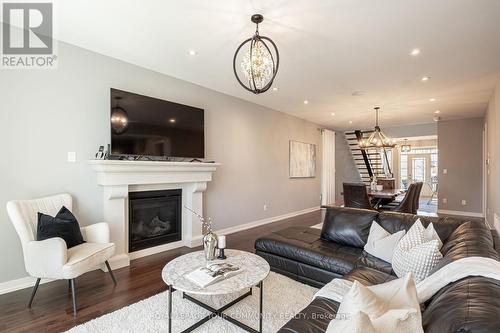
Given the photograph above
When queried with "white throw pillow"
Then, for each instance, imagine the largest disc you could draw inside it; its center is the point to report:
(387, 307)
(382, 243)
(416, 254)
(430, 233)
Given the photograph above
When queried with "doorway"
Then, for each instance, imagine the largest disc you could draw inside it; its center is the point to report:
(416, 160)
(419, 170)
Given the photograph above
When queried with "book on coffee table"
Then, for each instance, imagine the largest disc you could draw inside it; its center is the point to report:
(205, 276)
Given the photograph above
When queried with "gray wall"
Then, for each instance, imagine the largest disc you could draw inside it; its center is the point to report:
(460, 151)
(46, 113)
(345, 169)
(492, 125)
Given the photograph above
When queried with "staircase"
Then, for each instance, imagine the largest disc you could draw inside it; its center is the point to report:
(369, 161)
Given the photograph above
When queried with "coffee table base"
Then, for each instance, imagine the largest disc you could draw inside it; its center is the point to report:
(217, 312)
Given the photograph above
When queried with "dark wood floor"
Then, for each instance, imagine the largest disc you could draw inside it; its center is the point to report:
(96, 296)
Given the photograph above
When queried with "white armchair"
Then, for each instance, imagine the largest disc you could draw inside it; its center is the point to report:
(50, 258)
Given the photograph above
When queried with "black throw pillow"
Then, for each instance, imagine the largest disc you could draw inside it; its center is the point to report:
(63, 225)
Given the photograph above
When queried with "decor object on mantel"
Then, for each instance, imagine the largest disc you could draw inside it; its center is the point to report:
(258, 65)
(209, 239)
(377, 139)
(302, 160)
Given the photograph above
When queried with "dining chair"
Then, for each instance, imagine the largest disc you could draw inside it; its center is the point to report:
(407, 205)
(356, 196)
(416, 198)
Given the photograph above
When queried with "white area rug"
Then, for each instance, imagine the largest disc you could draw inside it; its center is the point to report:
(283, 298)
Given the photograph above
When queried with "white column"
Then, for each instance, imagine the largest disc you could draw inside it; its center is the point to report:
(191, 225)
(115, 210)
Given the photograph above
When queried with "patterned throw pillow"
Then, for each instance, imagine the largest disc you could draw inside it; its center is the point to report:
(416, 253)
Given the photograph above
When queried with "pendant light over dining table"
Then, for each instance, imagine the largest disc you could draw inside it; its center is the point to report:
(256, 61)
(377, 139)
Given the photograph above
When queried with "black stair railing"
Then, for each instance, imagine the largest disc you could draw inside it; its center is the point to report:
(359, 136)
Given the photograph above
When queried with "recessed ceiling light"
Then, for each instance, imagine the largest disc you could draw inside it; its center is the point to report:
(333, 113)
(437, 112)
(432, 99)
(350, 122)
(275, 88)
(425, 78)
(192, 52)
(415, 52)
(172, 120)
(306, 102)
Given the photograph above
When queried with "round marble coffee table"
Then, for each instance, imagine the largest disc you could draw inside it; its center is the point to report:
(254, 270)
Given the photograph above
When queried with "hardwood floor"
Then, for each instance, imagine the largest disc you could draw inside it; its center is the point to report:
(96, 296)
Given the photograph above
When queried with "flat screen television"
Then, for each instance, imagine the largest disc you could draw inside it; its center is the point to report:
(142, 125)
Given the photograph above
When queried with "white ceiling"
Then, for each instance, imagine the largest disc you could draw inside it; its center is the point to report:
(329, 49)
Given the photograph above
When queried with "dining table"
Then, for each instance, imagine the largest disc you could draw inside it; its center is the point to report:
(384, 195)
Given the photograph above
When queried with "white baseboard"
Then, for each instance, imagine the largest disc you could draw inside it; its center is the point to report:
(459, 213)
(21, 283)
(241, 227)
(124, 260)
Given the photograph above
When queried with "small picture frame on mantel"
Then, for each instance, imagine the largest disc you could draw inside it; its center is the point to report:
(302, 159)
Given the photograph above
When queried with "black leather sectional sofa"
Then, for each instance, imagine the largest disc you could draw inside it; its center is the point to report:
(316, 256)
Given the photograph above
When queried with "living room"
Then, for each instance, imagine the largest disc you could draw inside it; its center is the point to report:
(147, 143)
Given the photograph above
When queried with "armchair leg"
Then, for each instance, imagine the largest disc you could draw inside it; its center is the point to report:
(73, 293)
(35, 288)
(110, 271)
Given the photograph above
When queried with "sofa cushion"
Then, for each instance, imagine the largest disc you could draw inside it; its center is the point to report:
(368, 276)
(303, 244)
(85, 257)
(348, 226)
(471, 239)
(393, 222)
(469, 305)
(314, 318)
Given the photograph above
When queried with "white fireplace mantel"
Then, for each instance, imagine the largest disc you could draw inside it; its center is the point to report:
(119, 178)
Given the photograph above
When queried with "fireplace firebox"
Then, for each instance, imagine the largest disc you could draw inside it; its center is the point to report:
(154, 218)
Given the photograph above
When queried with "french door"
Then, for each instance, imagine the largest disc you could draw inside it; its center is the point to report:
(419, 170)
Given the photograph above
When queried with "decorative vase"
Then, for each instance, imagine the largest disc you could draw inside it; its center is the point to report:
(209, 245)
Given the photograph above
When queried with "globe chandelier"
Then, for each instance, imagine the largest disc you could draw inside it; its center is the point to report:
(256, 61)
(377, 139)
(119, 118)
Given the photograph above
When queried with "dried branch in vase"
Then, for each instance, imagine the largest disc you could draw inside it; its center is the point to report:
(206, 223)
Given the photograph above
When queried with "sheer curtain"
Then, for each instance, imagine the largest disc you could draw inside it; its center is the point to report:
(328, 167)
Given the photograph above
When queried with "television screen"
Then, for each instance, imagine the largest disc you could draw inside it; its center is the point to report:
(142, 125)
